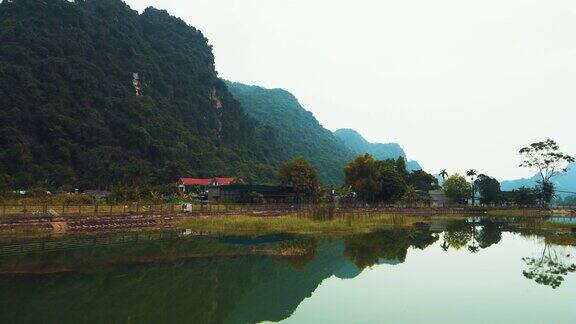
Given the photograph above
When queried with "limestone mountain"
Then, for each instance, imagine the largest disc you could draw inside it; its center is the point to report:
(296, 129)
(93, 93)
(380, 151)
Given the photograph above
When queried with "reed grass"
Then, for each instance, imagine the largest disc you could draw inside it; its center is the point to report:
(349, 224)
(519, 212)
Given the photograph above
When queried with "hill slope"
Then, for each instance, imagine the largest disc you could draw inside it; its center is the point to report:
(566, 182)
(295, 128)
(70, 115)
(381, 151)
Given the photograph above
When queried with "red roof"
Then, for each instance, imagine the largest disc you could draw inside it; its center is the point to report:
(206, 182)
(224, 181)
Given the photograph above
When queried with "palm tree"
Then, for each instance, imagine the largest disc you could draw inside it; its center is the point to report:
(443, 174)
(472, 173)
(445, 246)
(474, 247)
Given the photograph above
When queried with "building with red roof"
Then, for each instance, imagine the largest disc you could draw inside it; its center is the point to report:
(202, 184)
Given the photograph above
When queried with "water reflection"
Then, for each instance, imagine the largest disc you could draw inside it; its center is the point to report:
(390, 246)
(550, 268)
(238, 279)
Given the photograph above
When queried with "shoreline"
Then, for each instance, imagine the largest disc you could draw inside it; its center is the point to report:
(346, 221)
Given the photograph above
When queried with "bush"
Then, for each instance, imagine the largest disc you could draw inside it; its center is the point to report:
(323, 212)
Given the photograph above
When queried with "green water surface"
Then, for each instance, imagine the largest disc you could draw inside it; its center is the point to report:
(451, 273)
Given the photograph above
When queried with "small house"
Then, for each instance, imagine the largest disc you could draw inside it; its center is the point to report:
(438, 198)
(247, 193)
(202, 184)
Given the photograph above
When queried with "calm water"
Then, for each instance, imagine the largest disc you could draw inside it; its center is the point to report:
(450, 273)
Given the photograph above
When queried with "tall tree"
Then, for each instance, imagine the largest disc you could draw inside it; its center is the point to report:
(421, 180)
(301, 175)
(547, 159)
(443, 174)
(392, 180)
(401, 167)
(363, 176)
(489, 189)
(377, 180)
(457, 188)
(472, 174)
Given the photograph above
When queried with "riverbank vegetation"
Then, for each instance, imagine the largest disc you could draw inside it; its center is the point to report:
(297, 225)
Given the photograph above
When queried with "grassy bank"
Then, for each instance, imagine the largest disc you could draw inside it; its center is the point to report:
(296, 225)
(519, 212)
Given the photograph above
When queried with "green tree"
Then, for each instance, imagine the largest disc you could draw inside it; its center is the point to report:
(301, 175)
(401, 167)
(363, 176)
(472, 174)
(421, 180)
(376, 180)
(489, 189)
(523, 196)
(391, 180)
(546, 158)
(410, 195)
(457, 188)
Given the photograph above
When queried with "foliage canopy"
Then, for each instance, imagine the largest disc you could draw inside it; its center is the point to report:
(457, 188)
(301, 175)
(70, 115)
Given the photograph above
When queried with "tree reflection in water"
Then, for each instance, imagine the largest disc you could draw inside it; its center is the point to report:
(474, 236)
(458, 234)
(489, 234)
(366, 250)
(550, 268)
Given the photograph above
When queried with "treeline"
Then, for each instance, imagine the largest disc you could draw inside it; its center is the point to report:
(386, 181)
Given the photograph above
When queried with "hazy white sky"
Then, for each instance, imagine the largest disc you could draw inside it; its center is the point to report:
(459, 84)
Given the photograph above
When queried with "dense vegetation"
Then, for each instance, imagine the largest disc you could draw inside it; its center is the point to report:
(386, 180)
(299, 174)
(457, 188)
(70, 116)
(295, 128)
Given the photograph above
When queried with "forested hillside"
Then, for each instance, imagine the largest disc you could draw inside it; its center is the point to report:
(71, 114)
(380, 151)
(295, 128)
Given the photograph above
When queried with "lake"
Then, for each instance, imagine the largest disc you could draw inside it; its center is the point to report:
(451, 272)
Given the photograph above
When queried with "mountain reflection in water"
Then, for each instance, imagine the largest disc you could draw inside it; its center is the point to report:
(250, 280)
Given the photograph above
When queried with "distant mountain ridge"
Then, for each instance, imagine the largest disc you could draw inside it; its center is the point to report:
(565, 182)
(380, 151)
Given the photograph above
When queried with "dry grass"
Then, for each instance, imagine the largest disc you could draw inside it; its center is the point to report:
(519, 212)
(295, 224)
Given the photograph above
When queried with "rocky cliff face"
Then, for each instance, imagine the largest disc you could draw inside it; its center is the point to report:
(94, 94)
